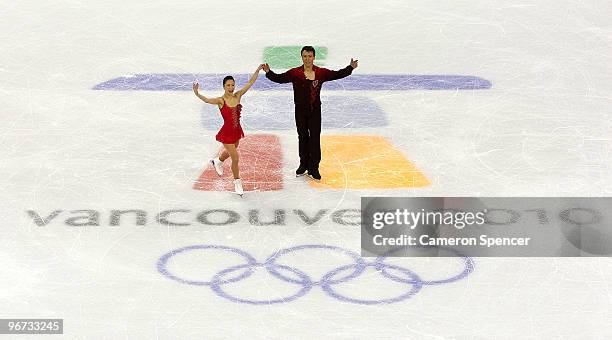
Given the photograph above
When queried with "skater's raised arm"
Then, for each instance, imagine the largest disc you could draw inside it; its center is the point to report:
(250, 83)
(345, 72)
(215, 101)
(277, 78)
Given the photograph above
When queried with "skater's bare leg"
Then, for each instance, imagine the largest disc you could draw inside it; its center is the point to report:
(231, 150)
(224, 154)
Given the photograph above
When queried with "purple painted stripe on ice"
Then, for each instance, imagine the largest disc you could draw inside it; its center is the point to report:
(357, 82)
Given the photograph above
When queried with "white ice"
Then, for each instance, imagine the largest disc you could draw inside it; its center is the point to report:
(543, 129)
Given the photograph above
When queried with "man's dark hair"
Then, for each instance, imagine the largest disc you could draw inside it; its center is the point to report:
(308, 49)
(228, 78)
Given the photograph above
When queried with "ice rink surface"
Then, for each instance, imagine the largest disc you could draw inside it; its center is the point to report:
(72, 157)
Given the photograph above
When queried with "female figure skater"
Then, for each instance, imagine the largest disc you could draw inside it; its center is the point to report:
(231, 131)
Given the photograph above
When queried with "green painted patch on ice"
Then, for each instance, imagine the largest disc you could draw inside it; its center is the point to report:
(289, 56)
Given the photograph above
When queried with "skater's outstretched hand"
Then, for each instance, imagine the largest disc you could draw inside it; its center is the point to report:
(265, 67)
(216, 101)
(354, 63)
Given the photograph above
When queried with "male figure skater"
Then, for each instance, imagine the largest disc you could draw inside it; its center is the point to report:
(307, 80)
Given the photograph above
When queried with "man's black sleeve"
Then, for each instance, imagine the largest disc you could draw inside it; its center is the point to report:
(334, 75)
(279, 78)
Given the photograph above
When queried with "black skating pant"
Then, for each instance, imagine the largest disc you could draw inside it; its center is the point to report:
(308, 124)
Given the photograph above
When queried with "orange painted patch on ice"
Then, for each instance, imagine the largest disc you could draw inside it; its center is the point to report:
(365, 162)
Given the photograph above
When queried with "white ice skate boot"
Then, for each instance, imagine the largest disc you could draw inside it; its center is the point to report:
(218, 165)
(238, 187)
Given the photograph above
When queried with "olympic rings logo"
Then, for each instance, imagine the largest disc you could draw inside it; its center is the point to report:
(304, 282)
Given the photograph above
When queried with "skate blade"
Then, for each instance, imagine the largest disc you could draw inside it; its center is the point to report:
(245, 192)
(314, 179)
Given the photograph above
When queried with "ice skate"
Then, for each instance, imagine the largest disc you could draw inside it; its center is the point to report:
(218, 165)
(301, 171)
(314, 174)
(238, 187)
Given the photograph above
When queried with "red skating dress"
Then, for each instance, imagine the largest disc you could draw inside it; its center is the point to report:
(231, 131)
